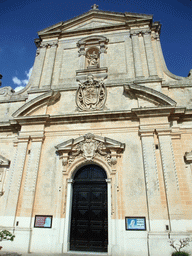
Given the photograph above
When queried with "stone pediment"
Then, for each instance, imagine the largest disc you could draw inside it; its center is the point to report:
(4, 161)
(95, 19)
(143, 92)
(38, 102)
(89, 146)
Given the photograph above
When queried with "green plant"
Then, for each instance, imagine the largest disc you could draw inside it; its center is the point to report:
(180, 254)
(6, 235)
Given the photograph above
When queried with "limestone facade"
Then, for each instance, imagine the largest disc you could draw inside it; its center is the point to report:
(100, 93)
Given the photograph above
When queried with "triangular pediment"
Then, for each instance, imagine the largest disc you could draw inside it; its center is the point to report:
(94, 19)
(4, 161)
(93, 23)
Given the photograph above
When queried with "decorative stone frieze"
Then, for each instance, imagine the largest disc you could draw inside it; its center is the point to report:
(89, 146)
(91, 95)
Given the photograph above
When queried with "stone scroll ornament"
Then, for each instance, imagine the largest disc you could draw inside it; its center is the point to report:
(91, 94)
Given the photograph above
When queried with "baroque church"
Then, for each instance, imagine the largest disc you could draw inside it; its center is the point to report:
(95, 152)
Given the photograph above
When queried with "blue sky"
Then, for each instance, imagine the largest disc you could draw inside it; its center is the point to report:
(21, 19)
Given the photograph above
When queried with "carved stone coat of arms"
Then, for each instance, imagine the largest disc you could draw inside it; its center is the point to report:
(91, 95)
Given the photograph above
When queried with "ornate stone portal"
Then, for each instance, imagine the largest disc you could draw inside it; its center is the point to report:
(91, 94)
(89, 146)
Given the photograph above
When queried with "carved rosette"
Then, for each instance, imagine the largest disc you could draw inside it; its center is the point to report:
(90, 146)
(91, 95)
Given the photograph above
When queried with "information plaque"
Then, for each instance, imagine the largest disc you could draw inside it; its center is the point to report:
(43, 221)
(135, 223)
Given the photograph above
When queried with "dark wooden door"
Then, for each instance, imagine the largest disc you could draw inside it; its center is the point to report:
(89, 222)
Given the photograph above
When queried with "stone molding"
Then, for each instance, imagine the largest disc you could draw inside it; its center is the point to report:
(88, 147)
(157, 97)
(188, 157)
(50, 97)
(4, 162)
(92, 40)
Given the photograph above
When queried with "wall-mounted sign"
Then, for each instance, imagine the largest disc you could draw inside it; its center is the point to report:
(135, 223)
(43, 221)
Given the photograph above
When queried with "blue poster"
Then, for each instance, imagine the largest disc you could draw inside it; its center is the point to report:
(135, 223)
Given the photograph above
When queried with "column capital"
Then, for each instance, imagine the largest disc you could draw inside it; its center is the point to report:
(134, 33)
(37, 138)
(146, 132)
(70, 181)
(147, 32)
(163, 131)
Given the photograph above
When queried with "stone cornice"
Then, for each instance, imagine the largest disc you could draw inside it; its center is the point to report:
(174, 113)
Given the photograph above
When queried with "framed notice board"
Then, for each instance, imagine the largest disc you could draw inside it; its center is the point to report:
(43, 221)
(135, 223)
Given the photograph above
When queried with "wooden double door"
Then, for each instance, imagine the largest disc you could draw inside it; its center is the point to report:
(89, 220)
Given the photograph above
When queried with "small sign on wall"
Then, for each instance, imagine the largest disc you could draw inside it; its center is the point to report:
(135, 223)
(43, 221)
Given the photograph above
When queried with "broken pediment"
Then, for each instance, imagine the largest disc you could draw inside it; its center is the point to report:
(90, 146)
(95, 19)
(148, 94)
(35, 104)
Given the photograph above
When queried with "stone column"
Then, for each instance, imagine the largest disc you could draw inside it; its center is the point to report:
(170, 177)
(137, 55)
(68, 216)
(155, 208)
(27, 200)
(150, 55)
(15, 182)
(38, 67)
(48, 65)
(109, 215)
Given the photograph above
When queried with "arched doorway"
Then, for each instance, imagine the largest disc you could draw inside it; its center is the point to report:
(89, 220)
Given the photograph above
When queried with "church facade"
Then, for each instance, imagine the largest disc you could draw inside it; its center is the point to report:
(95, 153)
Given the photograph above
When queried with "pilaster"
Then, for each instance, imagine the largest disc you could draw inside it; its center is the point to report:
(15, 181)
(48, 65)
(27, 199)
(38, 66)
(170, 176)
(137, 55)
(57, 66)
(150, 56)
(129, 56)
(155, 210)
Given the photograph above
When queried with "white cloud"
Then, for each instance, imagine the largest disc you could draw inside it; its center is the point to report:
(19, 88)
(24, 82)
(16, 80)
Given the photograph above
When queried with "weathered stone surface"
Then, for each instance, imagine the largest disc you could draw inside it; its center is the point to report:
(100, 93)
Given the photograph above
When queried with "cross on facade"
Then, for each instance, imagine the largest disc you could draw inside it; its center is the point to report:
(95, 7)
